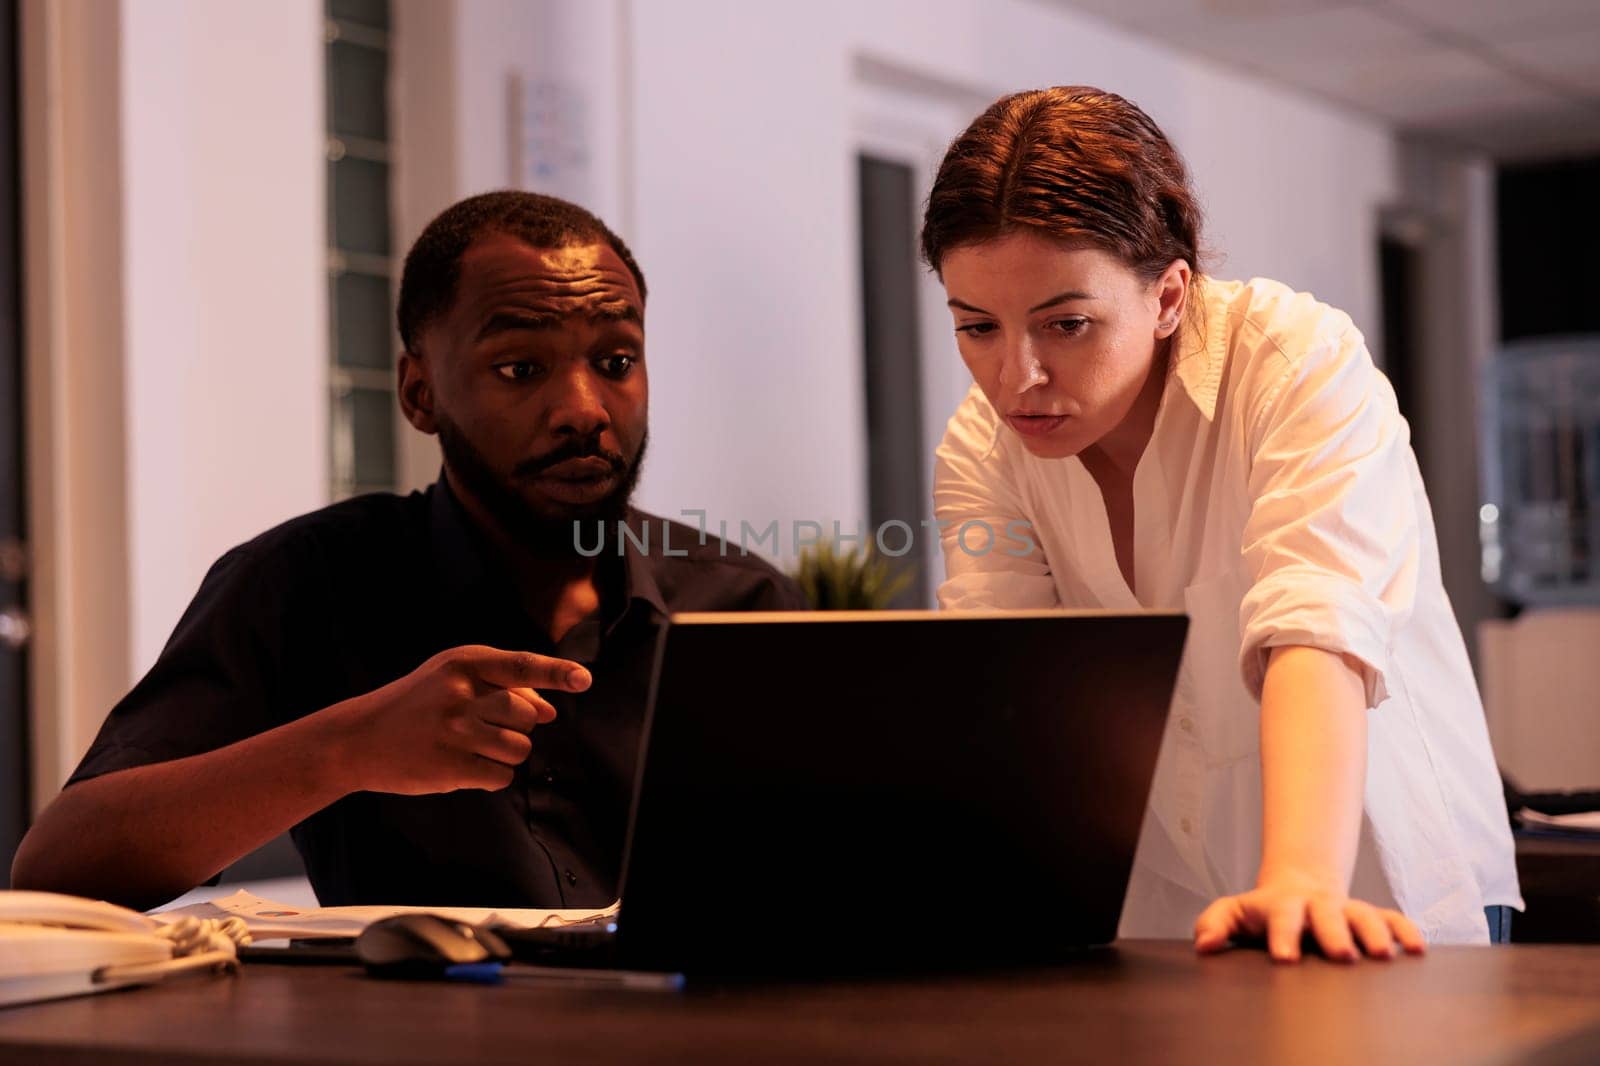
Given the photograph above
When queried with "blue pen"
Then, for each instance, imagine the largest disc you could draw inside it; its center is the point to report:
(479, 973)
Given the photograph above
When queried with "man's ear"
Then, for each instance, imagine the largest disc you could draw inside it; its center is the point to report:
(415, 392)
(1172, 294)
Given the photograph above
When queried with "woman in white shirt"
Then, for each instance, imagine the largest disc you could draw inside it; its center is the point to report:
(1229, 449)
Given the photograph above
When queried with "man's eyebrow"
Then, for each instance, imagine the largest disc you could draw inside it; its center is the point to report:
(621, 311)
(517, 321)
(532, 321)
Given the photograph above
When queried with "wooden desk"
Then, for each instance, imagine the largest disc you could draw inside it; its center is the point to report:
(1143, 1002)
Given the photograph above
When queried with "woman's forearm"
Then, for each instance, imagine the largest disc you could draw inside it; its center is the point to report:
(1313, 767)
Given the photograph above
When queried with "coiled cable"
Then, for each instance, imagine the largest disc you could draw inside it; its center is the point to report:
(198, 944)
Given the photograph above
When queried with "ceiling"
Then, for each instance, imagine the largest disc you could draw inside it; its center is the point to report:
(1518, 79)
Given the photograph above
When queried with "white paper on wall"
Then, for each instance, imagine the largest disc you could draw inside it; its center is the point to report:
(550, 149)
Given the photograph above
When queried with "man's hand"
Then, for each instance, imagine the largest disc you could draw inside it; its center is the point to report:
(460, 720)
(1283, 908)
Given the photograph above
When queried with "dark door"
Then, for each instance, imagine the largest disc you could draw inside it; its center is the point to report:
(14, 624)
(1400, 267)
(895, 482)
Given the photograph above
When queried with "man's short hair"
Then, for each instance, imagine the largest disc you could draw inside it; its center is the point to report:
(433, 266)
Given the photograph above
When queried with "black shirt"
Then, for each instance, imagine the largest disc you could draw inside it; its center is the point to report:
(344, 600)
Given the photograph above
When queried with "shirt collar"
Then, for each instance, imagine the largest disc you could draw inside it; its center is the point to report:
(638, 568)
(1201, 345)
(461, 554)
(464, 560)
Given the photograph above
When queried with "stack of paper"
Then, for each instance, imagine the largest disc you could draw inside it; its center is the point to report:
(269, 920)
(39, 962)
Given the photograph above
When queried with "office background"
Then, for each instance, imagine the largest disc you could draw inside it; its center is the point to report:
(214, 195)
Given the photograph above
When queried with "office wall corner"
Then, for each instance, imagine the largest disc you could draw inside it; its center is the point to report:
(73, 365)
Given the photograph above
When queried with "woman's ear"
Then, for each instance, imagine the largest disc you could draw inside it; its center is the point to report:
(415, 392)
(1172, 295)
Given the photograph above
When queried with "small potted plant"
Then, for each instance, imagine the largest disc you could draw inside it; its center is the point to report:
(854, 580)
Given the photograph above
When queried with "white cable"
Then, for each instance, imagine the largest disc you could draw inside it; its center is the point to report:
(211, 962)
(198, 944)
(192, 935)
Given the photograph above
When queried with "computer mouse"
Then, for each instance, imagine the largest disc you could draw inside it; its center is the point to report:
(427, 945)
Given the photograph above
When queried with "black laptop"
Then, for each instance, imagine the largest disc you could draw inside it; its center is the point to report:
(859, 792)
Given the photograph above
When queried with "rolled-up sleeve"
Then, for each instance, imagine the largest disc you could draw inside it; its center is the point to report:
(992, 557)
(218, 679)
(1332, 540)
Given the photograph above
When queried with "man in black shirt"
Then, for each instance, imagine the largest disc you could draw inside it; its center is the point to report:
(440, 694)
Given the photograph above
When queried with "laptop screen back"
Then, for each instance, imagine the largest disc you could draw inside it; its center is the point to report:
(857, 791)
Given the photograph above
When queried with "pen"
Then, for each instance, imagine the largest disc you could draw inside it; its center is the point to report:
(631, 979)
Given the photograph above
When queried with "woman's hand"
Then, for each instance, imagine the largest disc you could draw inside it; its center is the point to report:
(1313, 770)
(1282, 908)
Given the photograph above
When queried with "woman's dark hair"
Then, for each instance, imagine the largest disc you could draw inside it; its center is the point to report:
(1076, 164)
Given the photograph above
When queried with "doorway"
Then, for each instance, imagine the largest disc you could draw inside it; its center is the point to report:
(15, 627)
(892, 356)
(914, 379)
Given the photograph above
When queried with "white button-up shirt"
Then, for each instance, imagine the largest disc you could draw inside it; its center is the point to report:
(1278, 502)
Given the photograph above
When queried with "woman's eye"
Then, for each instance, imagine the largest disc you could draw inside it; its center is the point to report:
(1070, 326)
(519, 371)
(617, 366)
(976, 329)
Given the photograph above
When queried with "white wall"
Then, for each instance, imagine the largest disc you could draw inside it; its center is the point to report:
(226, 286)
(462, 72)
(724, 136)
(176, 318)
(745, 205)
(503, 47)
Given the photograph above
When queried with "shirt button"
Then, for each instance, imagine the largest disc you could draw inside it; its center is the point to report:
(1187, 826)
(549, 777)
(572, 878)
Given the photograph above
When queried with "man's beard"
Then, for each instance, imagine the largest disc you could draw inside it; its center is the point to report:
(555, 530)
